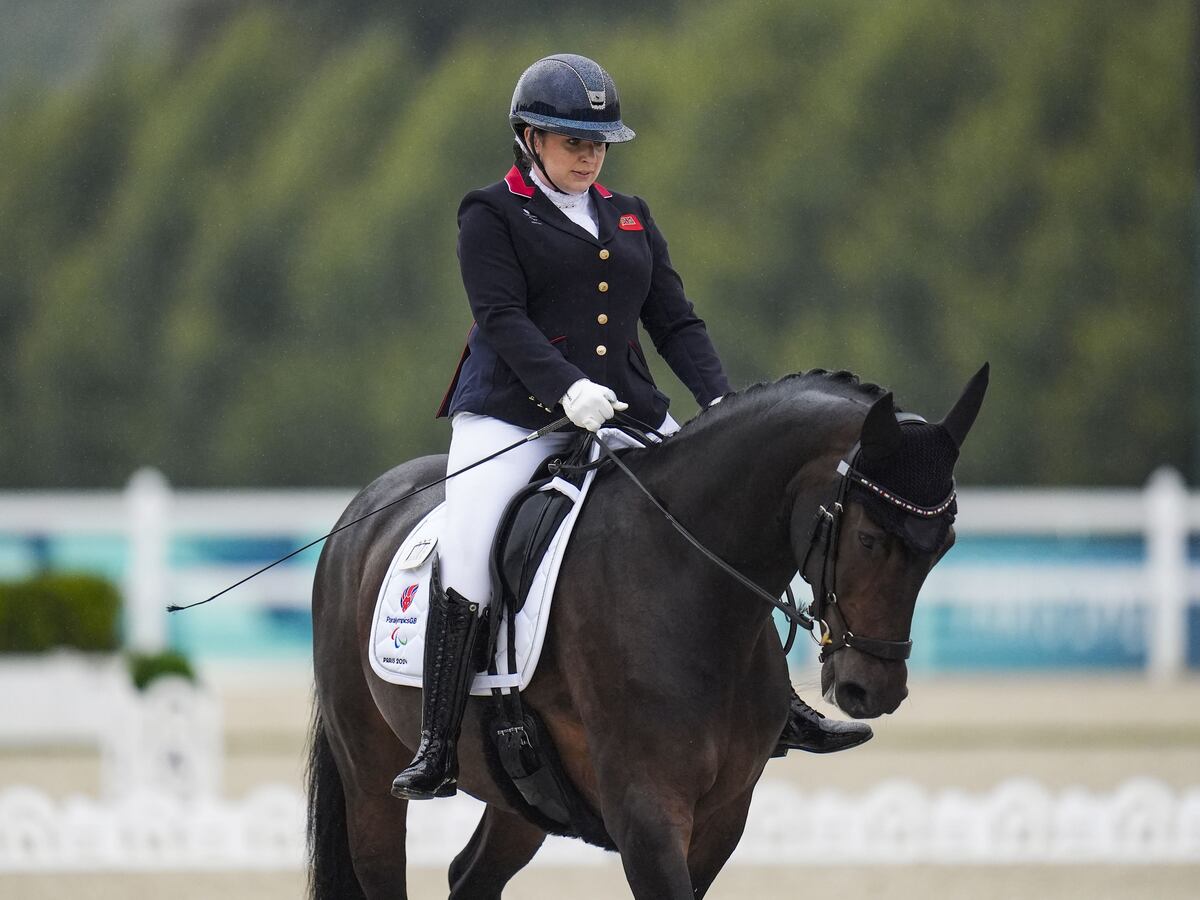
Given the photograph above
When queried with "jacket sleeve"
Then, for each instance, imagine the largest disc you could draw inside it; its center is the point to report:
(497, 292)
(679, 335)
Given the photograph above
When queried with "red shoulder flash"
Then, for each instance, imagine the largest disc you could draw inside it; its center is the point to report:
(629, 222)
(602, 190)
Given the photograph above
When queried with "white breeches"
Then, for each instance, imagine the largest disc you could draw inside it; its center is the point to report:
(476, 499)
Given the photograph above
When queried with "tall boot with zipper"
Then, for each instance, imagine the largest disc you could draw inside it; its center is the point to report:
(450, 637)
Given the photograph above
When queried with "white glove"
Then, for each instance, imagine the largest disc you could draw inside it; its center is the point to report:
(590, 405)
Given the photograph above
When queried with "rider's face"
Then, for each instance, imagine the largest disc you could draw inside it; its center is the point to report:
(572, 163)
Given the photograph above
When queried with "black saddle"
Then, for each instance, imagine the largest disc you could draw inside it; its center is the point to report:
(529, 524)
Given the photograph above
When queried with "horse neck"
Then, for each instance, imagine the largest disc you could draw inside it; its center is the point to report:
(737, 486)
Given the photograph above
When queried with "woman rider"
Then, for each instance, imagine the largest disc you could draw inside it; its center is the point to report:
(558, 272)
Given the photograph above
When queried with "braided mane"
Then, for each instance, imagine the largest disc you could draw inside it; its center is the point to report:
(758, 398)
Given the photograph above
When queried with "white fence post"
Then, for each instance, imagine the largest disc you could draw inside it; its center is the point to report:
(148, 500)
(1166, 562)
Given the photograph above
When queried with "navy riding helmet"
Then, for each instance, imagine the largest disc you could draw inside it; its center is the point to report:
(569, 94)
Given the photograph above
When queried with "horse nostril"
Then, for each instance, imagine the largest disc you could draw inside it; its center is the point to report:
(852, 698)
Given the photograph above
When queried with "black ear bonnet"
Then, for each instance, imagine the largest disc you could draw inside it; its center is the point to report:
(919, 470)
(902, 468)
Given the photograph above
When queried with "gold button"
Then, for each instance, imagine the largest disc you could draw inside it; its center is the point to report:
(604, 254)
(602, 319)
(601, 350)
(603, 286)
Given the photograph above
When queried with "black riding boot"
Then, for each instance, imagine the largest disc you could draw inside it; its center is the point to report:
(448, 672)
(808, 730)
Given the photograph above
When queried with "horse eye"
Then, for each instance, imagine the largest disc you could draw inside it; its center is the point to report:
(867, 540)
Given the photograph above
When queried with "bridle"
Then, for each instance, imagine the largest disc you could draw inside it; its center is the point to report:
(827, 530)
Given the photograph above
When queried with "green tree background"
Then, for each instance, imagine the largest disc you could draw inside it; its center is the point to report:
(231, 254)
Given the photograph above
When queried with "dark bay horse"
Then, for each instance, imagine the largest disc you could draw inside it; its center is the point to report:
(662, 680)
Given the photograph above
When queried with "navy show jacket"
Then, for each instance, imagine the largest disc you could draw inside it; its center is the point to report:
(552, 304)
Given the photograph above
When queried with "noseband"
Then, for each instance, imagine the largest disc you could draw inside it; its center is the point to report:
(826, 534)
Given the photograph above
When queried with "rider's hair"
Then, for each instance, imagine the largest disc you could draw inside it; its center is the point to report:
(524, 163)
(522, 160)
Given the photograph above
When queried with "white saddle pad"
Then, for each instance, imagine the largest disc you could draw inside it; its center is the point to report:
(398, 633)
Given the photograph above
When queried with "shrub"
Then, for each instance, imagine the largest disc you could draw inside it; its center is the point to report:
(38, 614)
(145, 667)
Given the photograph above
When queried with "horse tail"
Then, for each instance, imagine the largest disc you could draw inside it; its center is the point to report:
(331, 868)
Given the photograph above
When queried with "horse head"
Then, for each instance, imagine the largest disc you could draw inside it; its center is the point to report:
(871, 550)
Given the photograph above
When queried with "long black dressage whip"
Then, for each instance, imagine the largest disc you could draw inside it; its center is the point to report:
(532, 436)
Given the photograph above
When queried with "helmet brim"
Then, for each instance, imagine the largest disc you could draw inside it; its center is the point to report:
(605, 132)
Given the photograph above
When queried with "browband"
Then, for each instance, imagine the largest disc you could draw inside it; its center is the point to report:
(928, 512)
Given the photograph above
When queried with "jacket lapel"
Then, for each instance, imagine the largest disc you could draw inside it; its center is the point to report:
(606, 214)
(543, 207)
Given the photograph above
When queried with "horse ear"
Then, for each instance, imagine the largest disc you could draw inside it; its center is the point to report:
(880, 431)
(960, 419)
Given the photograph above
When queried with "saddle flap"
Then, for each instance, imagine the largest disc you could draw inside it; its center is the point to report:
(529, 526)
(532, 519)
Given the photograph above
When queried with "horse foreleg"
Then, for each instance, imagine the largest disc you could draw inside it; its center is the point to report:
(503, 843)
(714, 841)
(652, 832)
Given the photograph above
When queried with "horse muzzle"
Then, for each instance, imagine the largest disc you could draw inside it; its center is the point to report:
(864, 687)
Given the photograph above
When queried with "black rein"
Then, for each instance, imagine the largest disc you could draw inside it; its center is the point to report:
(826, 533)
(795, 616)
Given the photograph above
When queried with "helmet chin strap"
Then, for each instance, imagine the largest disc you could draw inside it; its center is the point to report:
(528, 148)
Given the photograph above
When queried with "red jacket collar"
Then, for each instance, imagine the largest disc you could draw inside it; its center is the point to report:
(518, 185)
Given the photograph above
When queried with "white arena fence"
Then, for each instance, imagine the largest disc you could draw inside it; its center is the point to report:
(1133, 609)
(896, 823)
(160, 808)
(159, 804)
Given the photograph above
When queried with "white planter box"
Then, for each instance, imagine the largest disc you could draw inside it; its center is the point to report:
(167, 738)
(62, 698)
